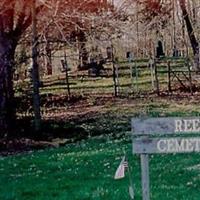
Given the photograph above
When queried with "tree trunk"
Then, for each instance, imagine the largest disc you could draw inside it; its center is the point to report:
(190, 30)
(7, 107)
(35, 72)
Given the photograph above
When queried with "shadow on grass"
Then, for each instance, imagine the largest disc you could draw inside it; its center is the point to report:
(50, 129)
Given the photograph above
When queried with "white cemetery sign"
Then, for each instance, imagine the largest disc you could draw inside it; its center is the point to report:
(163, 136)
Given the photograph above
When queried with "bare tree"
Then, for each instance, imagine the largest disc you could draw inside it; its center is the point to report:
(15, 19)
(191, 33)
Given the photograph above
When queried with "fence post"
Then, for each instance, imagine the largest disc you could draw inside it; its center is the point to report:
(169, 76)
(190, 76)
(151, 64)
(117, 77)
(156, 79)
(114, 72)
(131, 75)
(115, 80)
(66, 74)
(136, 77)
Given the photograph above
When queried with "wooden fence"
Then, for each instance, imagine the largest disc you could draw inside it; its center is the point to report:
(128, 79)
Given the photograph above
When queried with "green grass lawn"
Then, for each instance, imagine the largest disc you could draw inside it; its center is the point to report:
(84, 170)
(128, 85)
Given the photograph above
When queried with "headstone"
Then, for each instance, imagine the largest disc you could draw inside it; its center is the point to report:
(159, 50)
(109, 53)
(175, 52)
(129, 56)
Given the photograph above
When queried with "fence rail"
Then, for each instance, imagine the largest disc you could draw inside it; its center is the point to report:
(125, 78)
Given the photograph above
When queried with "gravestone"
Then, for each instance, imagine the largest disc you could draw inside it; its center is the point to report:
(175, 52)
(129, 56)
(159, 50)
(109, 53)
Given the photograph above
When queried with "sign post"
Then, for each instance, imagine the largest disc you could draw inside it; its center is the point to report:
(145, 176)
(144, 144)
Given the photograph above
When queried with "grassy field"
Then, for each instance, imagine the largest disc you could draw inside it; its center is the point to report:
(84, 170)
(128, 84)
